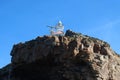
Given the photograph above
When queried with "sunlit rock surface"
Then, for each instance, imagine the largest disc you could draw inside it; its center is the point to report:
(70, 57)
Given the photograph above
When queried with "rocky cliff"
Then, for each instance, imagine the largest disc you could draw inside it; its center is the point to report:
(70, 57)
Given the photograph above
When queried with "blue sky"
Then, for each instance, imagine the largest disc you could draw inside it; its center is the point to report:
(23, 20)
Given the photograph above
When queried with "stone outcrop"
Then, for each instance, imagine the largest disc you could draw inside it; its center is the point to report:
(70, 57)
(5, 72)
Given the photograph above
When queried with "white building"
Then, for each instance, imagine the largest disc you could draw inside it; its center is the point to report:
(57, 30)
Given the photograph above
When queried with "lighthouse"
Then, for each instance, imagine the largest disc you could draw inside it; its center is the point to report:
(57, 30)
(59, 26)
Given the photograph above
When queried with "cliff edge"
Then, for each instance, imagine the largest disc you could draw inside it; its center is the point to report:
(70, 57)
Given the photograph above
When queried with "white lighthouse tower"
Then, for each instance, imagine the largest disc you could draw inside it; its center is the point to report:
(59, 26)
(57, 30)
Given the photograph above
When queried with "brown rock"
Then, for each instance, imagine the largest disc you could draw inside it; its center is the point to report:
(70, 57)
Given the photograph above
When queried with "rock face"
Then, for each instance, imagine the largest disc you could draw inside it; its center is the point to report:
(70, 57)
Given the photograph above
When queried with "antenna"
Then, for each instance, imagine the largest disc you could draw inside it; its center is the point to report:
(51, 29)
